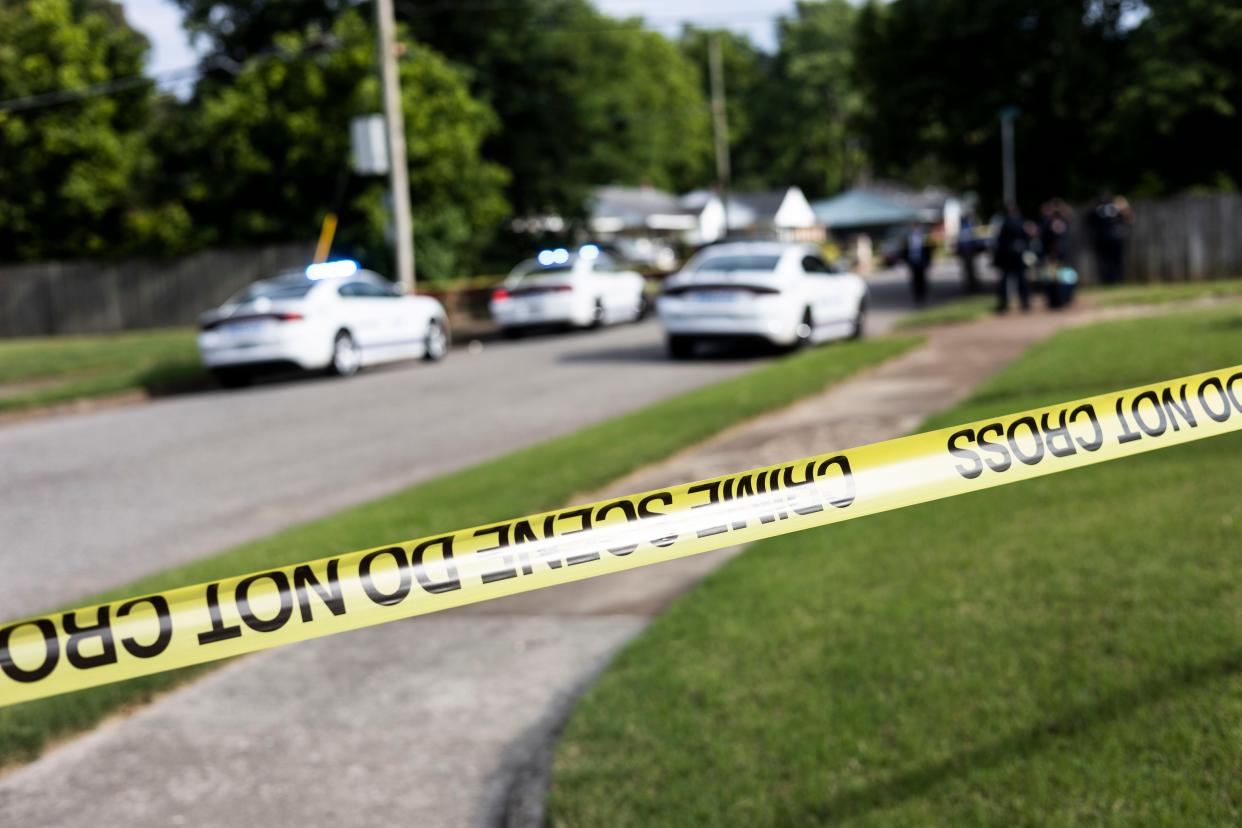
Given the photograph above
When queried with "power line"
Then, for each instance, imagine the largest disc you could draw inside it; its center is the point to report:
(193, 73)
(171, 76)
(109, 87)
(622, 20)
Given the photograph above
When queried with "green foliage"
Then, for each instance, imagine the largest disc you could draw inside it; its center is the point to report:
(268, 150)
(1178, 121)
(521, 107)
(814, 105)
(747, 77)
(938, 72)
(241, 29)
(793, 116)
(584, 99)
(68, 170)
(1112, 94)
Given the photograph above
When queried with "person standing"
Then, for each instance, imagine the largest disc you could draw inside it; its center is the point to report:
(967, 248)
(1110, 221)
(1054, 230)
(1013, 243)
(918, 257)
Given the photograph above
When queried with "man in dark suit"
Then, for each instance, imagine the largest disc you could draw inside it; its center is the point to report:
(1012, 244)
(918, 256)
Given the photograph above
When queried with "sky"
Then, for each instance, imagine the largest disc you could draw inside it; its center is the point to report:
(160, 21)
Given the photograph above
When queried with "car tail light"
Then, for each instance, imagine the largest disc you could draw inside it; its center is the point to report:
(499, 293)
(290, 316)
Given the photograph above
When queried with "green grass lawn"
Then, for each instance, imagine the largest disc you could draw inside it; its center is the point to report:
(1159, 294)
(965, 309)
(46, 370)
(530, 480)
(1065, 651)
(970, 308)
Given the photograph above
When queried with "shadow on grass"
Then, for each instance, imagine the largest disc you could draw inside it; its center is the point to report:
(168, 378)
(1228, 323)
(723, 351)
(1071, 722)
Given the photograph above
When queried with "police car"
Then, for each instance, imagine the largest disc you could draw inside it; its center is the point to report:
(582, 288)
(782, 293)
(331, 316)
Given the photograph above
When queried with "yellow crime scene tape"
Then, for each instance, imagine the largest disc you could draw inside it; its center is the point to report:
(67, 651)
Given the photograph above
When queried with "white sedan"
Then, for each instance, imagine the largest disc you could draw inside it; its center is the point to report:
(582, 289)
(782, 293)
(332, 316)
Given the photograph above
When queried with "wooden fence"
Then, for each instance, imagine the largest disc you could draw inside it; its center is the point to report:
(92, 297)
(1186, 239)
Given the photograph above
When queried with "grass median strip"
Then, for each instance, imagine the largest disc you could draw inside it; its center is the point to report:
(1065, 651)
(965, 309)
(1165, 293)
(529, 480)
(47, 370)
(970, 308)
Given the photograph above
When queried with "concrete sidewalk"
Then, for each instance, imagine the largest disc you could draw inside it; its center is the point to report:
(449, 719)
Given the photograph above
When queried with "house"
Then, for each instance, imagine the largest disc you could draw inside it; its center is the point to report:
(645, 212)
(877, 216)
(783, 214)
(861, 211)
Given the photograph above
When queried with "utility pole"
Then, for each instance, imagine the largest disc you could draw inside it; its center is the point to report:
(720, 123)
(1007, 116)
(398, 171)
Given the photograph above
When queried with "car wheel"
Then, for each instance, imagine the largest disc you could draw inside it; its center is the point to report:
(437, 343)
(233, 377)
(345, 357)
(681, 347)
(597, 316)
(860, 321)
(644, 308)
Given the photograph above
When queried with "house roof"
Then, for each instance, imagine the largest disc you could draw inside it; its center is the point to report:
(747, 209)
(633, 204)
(861, 208)
(754, 207)
(763, 205)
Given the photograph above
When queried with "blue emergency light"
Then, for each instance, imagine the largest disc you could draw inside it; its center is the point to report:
(332, 270)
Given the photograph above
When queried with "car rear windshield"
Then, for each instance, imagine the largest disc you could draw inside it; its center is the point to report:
(273, 289)
(730, 264)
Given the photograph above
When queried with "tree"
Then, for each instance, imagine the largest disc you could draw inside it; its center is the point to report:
(266, 152)
(748, 82)
(1178, 123)
(584, 99)
(813, 105)
(242, 29)
(67, 186)
(936, 73)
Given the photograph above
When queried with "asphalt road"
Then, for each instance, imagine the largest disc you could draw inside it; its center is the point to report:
(96, 500)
